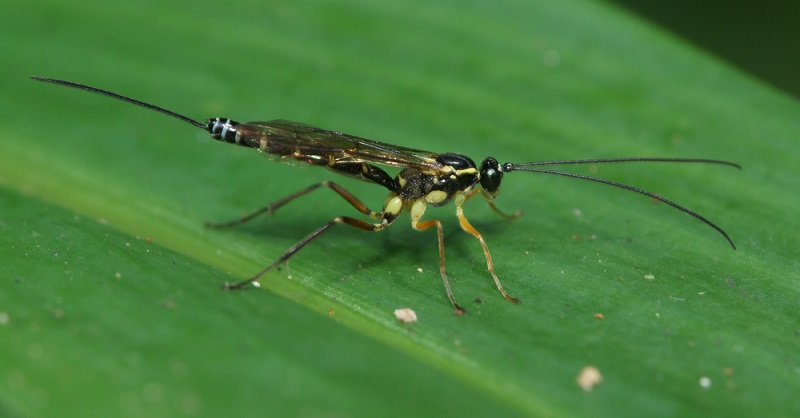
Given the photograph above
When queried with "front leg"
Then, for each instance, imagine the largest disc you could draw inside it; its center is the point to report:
(490, 201)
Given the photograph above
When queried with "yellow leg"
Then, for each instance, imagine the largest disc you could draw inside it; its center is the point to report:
(466, 226)
(417, 210)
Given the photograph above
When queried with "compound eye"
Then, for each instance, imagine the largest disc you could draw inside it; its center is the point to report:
(491, 175)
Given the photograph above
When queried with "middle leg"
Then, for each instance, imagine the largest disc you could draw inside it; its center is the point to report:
(417, 210)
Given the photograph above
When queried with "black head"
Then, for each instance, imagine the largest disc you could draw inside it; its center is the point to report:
(491, 175)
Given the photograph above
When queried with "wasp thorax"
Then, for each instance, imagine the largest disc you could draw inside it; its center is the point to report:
(457, 174)
(456, 161)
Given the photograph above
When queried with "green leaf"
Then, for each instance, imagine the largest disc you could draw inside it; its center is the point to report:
(111, 302)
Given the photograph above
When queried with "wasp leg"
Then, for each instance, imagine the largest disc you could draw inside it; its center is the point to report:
(363, 225)
(272, 207)
(490, 201)
(392, 208)
(466, 226)
(417, 210)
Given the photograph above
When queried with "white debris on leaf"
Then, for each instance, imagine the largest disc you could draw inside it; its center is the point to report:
(405, 315)
(589, 378)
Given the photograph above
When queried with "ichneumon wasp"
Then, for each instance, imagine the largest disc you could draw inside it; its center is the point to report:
(425, 178)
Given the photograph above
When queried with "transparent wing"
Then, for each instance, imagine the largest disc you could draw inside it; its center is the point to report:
(310, 142)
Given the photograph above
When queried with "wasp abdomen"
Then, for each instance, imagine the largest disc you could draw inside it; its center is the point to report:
(223, 129)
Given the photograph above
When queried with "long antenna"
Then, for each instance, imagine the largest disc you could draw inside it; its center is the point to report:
(123, 98)
(626, 160)
(507, 167)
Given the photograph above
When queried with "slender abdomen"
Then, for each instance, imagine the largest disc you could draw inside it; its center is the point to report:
(254, 136)
(223, 129)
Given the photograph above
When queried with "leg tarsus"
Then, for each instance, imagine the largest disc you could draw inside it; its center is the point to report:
(490, 201)
(505, 216)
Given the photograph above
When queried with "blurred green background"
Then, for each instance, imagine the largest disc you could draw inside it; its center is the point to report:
(758, 37)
